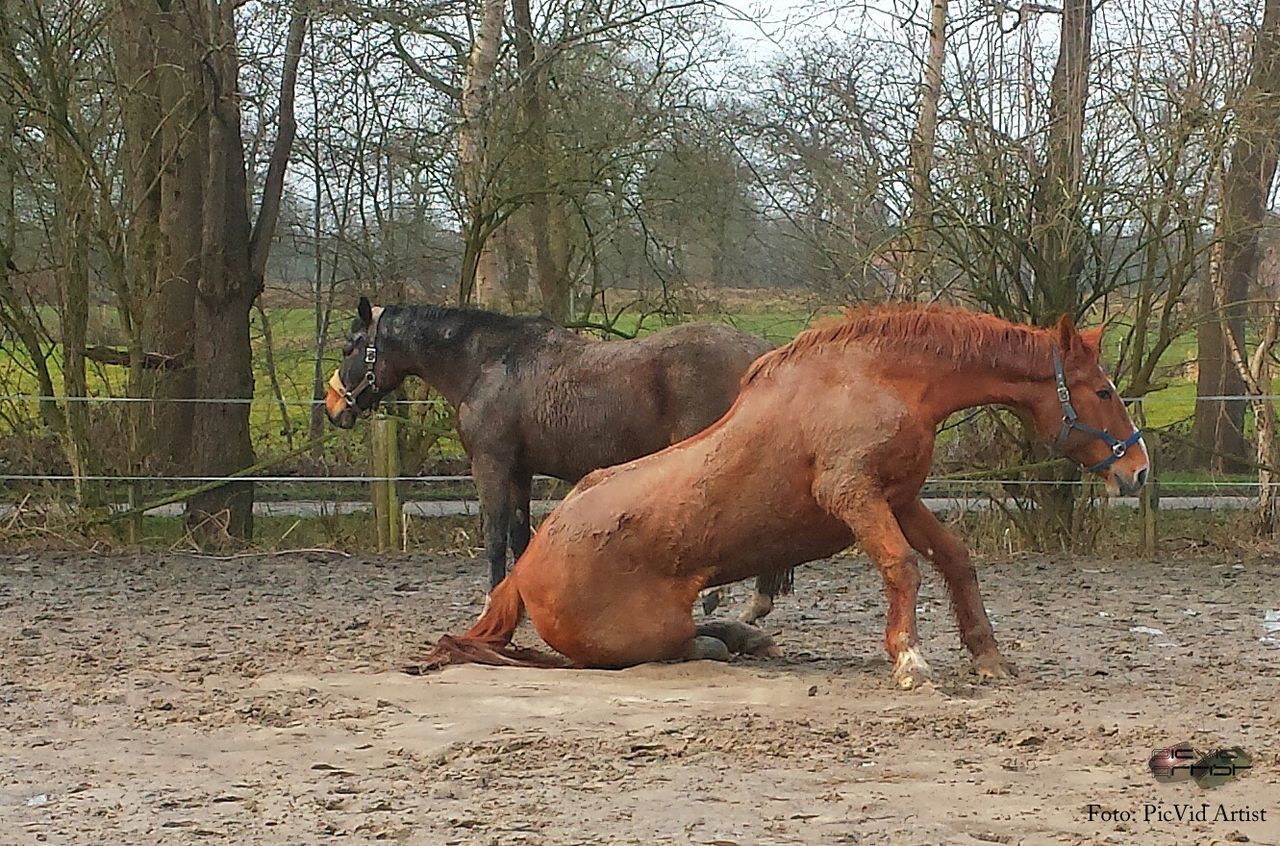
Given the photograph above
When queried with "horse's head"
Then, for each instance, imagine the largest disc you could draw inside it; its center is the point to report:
(363, 377)
(1084, 417)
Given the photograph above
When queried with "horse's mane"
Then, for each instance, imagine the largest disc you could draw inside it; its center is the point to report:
(471, 318)
(952, 335)
(459, 324)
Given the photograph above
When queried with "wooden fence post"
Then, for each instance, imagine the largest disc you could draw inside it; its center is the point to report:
(1149, 496)
(391, 442)
(378, 487)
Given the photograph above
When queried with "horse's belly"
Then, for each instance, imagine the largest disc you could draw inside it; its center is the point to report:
(781, 547)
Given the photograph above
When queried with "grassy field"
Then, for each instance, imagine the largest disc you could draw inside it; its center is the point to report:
(292, 331)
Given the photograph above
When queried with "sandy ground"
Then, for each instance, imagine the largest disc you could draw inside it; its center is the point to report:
(170, 699)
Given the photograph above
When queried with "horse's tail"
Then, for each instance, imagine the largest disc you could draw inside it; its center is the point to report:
(489, 640)
(777, 583)
(787, 582)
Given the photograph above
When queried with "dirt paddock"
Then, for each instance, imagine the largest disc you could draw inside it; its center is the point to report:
(171, 699)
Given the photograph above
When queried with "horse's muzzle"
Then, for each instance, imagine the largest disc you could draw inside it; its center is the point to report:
(344, 419)
(1130, 483)
(338, 410)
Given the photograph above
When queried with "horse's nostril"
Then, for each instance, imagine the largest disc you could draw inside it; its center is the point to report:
(1141, 477)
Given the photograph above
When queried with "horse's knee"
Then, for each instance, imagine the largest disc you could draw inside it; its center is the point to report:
(901, 573)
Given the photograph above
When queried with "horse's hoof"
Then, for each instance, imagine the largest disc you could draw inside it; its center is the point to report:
(759, 608)
(910, 670)
(705, 648)
(990, 666)
(767, 650)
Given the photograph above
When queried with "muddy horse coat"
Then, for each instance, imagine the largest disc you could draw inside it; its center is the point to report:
(830, 441)
(533, 398)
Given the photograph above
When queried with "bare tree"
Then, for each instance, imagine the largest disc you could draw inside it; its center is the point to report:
(920, 221)
(234, 258)
(1247, 185)
(480, 269)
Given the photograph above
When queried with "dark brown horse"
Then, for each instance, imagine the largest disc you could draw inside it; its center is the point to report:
(829, 442)
(533, 398)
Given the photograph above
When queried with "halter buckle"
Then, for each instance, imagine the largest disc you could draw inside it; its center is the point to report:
(370, 354)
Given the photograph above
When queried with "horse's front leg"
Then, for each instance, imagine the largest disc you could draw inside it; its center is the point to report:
(931, 539)
(521, 520)
(876, 528)
(494, 485)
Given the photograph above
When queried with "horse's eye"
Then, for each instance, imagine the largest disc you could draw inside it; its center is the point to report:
(1104, 394)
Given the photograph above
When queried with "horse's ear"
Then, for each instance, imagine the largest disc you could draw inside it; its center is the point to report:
(365, 311)
(1069, 340)
(1092, 339)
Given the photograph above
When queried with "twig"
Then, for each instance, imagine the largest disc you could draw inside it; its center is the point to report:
(271, 554)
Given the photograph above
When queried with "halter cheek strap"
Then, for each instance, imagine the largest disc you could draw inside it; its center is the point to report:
(369, 382)
(1071, 420)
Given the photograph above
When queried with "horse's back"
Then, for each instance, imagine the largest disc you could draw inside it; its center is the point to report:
(697, 371)
(597, 404)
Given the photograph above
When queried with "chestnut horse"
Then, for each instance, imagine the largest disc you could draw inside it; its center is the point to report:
(829, 442)
(531, 397)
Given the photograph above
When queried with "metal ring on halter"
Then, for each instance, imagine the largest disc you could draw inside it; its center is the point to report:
(1071, 420)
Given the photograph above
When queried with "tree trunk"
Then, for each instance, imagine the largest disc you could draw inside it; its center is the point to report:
(1058, 238)
(1268, 513)
(233, 261)
(1247, 185)
(552, 285)
(481, 275)
(914, 269)
(172, 305)
(1218, 427)
(135, 51)
(1057, 229)
(74, 231)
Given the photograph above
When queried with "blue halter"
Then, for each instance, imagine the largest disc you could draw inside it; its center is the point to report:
(1071, 420)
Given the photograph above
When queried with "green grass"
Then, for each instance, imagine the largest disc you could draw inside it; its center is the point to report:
(293, 328)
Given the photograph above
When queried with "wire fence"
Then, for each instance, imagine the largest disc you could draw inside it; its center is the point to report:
(935, 482)
(309, 403)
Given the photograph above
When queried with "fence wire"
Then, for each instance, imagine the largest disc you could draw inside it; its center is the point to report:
(193, 400)
(441, 479)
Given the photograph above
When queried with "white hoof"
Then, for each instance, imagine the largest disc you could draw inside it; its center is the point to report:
(910, 670)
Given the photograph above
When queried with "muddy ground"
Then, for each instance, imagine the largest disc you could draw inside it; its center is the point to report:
(171, 699)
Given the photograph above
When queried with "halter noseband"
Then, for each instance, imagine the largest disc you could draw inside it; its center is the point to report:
(1071, 420)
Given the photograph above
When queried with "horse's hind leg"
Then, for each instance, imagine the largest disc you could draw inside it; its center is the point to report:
(602, 618)
(931, 539)
(740, 638)
(707, 648)
(767, 587)
(520, 529)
